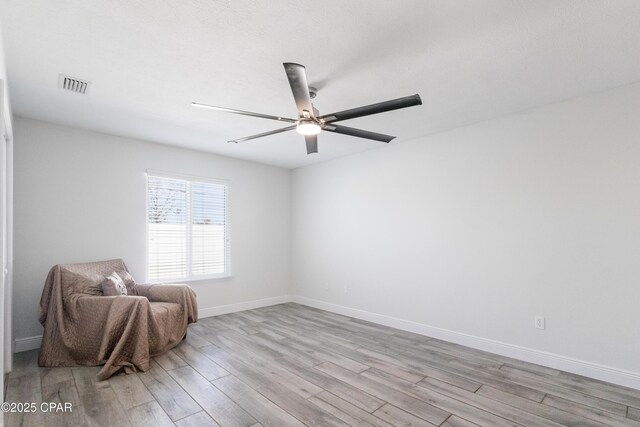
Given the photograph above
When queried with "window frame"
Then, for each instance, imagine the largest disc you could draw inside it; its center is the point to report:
(227, 227)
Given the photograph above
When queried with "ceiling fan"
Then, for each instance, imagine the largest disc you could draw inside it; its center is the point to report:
(310, 123)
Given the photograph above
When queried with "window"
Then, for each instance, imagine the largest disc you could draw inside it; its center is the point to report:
(187, 228)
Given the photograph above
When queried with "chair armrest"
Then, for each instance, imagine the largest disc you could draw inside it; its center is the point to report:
(177, 293)
(162, 293)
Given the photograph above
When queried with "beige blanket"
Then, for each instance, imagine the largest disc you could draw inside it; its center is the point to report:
(82, 327)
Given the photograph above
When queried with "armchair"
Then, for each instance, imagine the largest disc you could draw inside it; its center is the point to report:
(82, 327)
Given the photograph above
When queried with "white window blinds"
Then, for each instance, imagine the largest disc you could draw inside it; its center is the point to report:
(187, 229)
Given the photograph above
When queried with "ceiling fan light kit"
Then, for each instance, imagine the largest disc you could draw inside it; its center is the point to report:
(310, 123)
(308, 127)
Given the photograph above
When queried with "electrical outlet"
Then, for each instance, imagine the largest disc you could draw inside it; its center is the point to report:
(539, 322)
(326, 286)
(346, 289)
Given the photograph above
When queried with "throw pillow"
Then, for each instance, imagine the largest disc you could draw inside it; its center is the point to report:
(127, 278)
(113, 285)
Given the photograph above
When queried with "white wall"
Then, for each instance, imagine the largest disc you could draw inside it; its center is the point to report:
(479, 229)
(6, 110)
(3, 248)
(6, 206)
(80, 196)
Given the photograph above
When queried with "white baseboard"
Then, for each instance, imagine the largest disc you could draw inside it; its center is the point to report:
(33, 343)
(551, 360)
(27, 343)
(242, 306)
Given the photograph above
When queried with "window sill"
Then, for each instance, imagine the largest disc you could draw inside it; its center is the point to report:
(191, 279)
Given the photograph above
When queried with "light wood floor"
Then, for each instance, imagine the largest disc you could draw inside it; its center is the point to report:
(294, 365)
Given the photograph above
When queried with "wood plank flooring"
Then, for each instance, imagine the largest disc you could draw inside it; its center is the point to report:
(291, 365)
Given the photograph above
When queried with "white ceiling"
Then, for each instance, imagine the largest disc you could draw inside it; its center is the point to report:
(148, 60)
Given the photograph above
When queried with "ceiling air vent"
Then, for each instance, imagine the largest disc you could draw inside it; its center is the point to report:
(73, 84)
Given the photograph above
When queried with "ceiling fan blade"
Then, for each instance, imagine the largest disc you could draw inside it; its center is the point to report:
(243, 113)
(260, 135)
(344, 130)
(298, 81)
(312, 143)
(367, 110)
